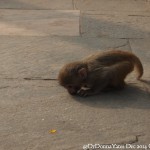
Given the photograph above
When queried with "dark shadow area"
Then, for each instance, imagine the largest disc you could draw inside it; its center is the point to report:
(132, 97)
(145, 82)
(115, 26)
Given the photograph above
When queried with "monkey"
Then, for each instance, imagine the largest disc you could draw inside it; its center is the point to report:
(99, 72)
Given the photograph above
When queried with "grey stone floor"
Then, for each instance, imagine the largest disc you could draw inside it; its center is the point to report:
(36, 38)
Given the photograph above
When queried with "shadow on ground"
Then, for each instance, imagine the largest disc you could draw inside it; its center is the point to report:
(131, 97)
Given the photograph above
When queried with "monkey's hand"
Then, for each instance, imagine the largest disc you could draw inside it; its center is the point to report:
(85, 92)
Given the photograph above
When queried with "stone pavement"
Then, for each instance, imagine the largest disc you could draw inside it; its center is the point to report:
(36, 38)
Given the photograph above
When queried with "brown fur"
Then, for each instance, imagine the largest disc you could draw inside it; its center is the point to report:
(99, 71)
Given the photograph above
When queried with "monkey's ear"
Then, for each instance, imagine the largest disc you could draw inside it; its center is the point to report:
(82, 73)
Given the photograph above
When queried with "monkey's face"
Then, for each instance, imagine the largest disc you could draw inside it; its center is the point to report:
(72, 89)
(71, 78)
(72, 84)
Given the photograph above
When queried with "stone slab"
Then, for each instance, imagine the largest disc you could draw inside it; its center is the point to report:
(36, 4)
(141, 47)
(39, 22)
(113, 5)
(115, 24)
(30, 109)
(42, 57)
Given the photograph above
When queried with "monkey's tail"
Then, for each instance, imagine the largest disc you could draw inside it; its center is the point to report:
(138, 65)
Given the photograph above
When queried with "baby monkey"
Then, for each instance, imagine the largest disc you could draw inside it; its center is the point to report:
(99, 72)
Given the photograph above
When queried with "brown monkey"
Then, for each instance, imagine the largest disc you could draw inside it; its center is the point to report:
(99, 72)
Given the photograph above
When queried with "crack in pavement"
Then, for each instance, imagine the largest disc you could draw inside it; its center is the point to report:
(127, 43)
(4, 87)
(138, 15)
(35, 78)
(126, 140)
(74, 5)
(30, 78)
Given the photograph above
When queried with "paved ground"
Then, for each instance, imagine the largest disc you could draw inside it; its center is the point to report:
(36, 38)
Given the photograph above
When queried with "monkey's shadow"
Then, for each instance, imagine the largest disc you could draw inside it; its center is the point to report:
(132, 96)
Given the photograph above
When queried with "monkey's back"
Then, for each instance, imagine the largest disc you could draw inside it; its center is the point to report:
(112, 57)
(109, 57)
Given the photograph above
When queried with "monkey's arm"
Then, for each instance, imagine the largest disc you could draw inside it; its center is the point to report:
(96, 88)
(120, 71)
(92, 91)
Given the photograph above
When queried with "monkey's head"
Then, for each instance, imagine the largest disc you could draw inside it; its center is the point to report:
(72, 76)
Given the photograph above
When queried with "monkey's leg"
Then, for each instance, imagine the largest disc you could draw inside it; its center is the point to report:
(121, 70)
(119, 85)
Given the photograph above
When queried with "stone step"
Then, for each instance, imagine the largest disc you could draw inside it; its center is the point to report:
(39, 22)
(36, 4)
(42, 57)
(115, 24)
